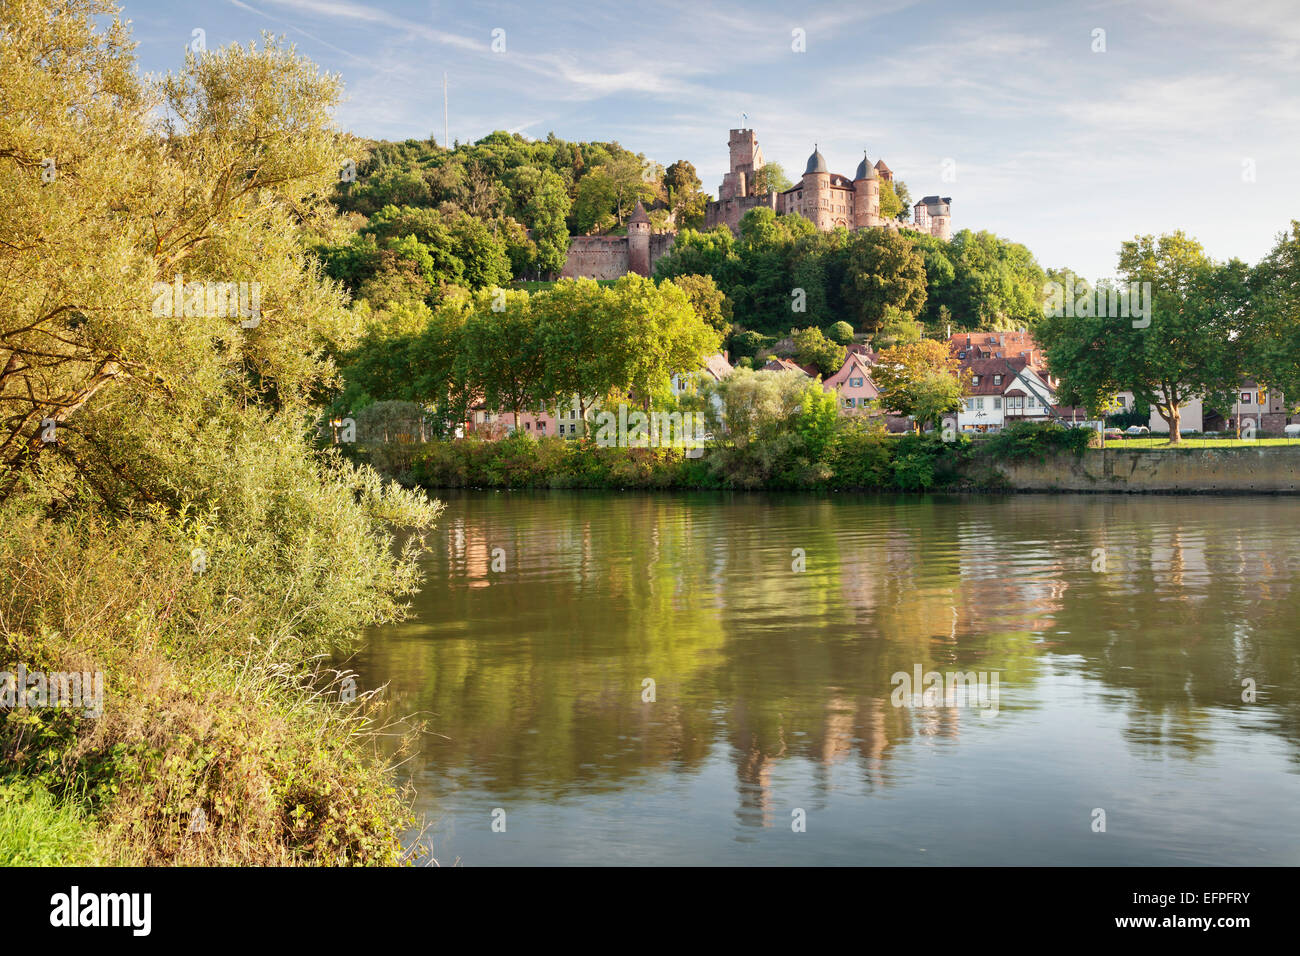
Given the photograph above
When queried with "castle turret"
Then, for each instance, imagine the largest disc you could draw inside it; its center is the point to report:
(933, 214)
(866, 195)
(816, 186)
(638, 241)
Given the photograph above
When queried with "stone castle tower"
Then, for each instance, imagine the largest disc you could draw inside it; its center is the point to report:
(866, 199)
(746, 161)
(638, 241)
(739, 191)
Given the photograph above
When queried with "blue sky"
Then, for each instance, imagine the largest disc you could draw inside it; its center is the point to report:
(1189, 119)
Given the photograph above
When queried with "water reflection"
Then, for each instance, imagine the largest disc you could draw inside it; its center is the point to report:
(544, 614)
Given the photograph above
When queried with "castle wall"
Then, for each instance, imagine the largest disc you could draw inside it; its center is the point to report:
(596, 257)
(660, 243)
(729, 212)
(607, 257)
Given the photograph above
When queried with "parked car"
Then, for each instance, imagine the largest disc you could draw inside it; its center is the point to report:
(1137, 430)
(1292, 431)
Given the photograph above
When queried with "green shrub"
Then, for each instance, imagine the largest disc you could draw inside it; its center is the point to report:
(841, 333)
(860, 456)
(1025, 440)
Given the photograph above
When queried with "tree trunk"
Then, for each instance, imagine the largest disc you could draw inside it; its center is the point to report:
(1173, 418)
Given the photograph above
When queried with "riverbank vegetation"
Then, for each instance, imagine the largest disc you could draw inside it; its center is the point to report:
(791, 449)
(166, 519)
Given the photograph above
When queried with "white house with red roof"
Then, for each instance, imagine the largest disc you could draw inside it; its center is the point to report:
(1007, 390)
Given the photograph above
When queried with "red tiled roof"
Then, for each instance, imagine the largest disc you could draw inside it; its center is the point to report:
(788, 365)
(986, 369)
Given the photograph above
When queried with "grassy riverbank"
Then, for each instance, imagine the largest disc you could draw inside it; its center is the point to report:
(849, 454)
(218, 738)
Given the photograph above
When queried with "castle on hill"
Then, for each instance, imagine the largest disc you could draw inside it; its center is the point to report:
(828, 200)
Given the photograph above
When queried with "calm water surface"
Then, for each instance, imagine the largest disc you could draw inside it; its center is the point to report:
(1118, 689)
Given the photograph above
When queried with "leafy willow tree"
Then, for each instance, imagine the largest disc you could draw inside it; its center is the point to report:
(141, 409)
(1190, 346)
(163, 341)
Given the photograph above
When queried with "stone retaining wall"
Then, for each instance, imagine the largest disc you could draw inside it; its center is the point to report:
(1266, 470)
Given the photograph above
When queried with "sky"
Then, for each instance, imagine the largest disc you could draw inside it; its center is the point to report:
(1067, 126)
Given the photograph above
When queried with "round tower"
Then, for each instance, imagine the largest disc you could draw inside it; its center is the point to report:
(866, 195)
(816, 186)
(638, 241)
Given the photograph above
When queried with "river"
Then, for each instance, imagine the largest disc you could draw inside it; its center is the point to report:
(717, 678)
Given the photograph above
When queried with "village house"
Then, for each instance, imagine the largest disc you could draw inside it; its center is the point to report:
(853, 381)
(1009, 381)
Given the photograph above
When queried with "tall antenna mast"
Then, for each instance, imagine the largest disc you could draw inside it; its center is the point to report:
(446, 136)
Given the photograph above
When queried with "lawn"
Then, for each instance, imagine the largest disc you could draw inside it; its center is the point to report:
(1161, 441)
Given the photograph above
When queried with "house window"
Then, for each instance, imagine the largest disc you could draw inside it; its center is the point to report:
(970, 404)
(1245, 397)
(855, 383)
(975, 380)
(979, 404)
(997, 379)
(997, 403)
(850, 402)
(1031, 402)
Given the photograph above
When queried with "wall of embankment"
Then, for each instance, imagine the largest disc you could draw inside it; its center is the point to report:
(1237, 470)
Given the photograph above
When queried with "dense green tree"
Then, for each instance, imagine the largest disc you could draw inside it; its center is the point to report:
(1190, 344)
(884, 270)
(709, 253)
(998, 284)
(1271, 344)
(771, 178)
(897, 328)
(502, 355)
(812, 347)
(707, 299)
(586, 355)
